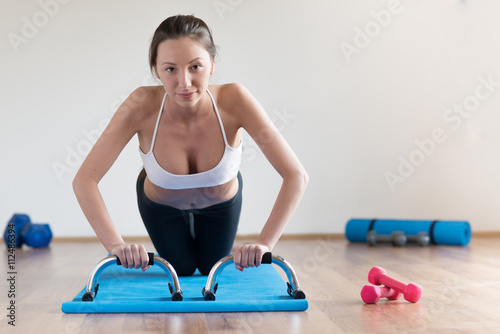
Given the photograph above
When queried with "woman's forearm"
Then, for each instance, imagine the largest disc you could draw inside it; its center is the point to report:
(288, 199)
(94, 209)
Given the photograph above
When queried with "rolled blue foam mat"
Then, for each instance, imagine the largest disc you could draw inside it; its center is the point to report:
(441, 232)
(133, 291)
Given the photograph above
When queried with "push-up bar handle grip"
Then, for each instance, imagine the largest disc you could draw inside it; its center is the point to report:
(151, 260)
(267, 258)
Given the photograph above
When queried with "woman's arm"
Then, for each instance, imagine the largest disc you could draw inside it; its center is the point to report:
(122, 127)
(262, 130)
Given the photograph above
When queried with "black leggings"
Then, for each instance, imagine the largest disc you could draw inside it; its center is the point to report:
(190, 239)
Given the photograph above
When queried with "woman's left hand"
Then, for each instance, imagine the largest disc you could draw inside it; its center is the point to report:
(249, 255)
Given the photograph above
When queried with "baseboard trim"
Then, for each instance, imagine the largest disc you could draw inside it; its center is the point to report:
(486, 234)
(329, 236)
(238, 237)
(95, 239)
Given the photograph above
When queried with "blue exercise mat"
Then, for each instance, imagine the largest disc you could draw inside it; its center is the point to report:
(133, 291)
(441, 232)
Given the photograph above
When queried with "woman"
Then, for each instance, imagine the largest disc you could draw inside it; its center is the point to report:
(189, 192)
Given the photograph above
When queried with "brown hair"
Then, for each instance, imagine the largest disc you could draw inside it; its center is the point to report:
(179, 26)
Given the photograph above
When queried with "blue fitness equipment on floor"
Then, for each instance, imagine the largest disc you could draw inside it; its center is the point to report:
(114, 289)
(20, 230)
(12, 234)
(441, 232)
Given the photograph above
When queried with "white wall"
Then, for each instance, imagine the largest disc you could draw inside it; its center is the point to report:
(351, 106)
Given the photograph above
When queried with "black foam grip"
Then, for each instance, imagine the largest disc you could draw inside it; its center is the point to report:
(267, 258)
(151, 260)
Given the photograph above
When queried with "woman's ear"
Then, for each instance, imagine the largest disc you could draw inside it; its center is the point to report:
(212, 70)
(156, 72)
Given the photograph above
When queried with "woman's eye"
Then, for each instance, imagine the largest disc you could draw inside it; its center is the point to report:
(196, 67)
(169, 69)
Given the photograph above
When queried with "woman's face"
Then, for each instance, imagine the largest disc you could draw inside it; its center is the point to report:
(184, 67)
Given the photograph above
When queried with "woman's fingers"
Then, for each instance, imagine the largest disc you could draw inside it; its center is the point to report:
(249, 255)
(132, 256)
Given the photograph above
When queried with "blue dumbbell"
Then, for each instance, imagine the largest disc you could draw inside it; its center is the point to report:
(20, 230)
(36, 235)
(12, 234)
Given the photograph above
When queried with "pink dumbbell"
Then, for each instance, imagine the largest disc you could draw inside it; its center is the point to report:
(371, 293)
(412, 292)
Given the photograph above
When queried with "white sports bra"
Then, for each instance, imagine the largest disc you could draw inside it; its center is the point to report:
(225, 171)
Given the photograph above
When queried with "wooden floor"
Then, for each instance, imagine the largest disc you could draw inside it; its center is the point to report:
(461, 292)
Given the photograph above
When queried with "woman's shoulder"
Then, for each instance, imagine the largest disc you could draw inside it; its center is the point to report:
(230, 96)
(226, 91)
(142, 102)
(145, 97)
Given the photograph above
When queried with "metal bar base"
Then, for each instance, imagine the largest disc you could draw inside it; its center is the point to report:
(293, 287)
(93, 286)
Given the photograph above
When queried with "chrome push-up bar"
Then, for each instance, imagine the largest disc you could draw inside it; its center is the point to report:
(293, 287)
(93, 286)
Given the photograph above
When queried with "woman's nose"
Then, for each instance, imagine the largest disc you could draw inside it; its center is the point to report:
(185, 80)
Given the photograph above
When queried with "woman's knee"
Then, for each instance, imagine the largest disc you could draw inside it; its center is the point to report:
(205, 268)
(182, 266)
(185, 271)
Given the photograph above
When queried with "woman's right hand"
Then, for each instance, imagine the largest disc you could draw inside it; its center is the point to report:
(132, 256)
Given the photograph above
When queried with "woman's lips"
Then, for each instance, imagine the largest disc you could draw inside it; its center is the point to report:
(186, 96)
